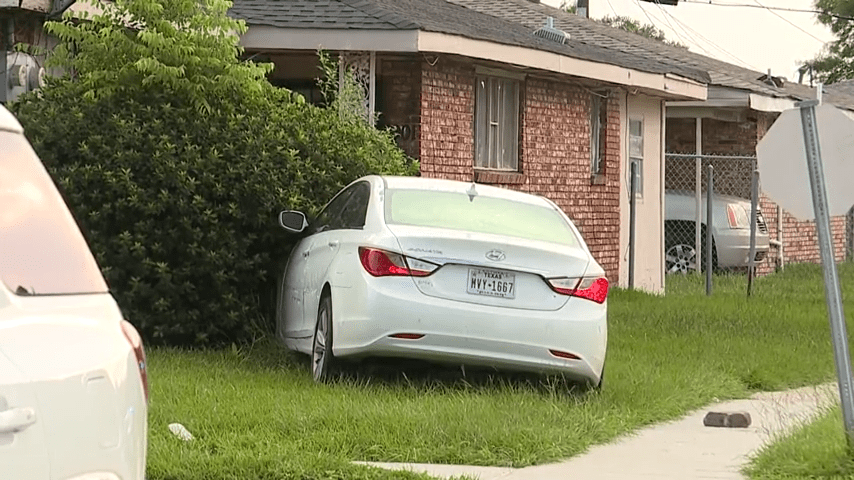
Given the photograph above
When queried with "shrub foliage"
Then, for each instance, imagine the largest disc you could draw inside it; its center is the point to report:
(178, 193)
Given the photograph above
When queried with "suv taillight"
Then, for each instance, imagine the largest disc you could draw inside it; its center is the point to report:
(139, 352)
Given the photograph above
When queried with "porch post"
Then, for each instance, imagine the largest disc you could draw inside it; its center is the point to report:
(372, 89)
(698, 192)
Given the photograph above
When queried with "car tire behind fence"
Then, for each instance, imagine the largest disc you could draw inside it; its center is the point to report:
(679, 249)
(322, 359)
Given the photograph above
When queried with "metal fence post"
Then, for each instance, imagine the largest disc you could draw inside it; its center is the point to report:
(698, 189)
(632, 215)
(710, 188)
(754, 208)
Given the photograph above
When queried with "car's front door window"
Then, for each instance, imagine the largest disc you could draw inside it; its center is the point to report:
(353, 214)
(330, 217)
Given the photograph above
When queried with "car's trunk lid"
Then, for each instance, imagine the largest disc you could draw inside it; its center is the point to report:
(490, 269)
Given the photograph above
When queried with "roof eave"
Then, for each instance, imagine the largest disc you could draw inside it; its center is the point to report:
(725, 97)
(668, 86)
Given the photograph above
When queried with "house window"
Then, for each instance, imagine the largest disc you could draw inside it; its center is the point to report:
(598, 119)
(636, 151)
(496, 131)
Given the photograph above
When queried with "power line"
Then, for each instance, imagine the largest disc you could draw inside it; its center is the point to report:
(686, 32)
(668, 22)
(781, 9)
(725, 52)
(788, 21)
(612, 8)
(697, 43)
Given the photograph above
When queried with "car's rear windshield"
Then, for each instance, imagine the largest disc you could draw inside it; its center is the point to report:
(481, 213)
(42, 252)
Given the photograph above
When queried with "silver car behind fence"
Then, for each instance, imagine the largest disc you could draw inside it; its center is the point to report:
(731, 210)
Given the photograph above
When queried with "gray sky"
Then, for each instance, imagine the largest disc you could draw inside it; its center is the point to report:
(755, 38)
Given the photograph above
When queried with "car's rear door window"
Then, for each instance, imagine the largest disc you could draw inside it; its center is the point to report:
(42, 252)
(483, 214)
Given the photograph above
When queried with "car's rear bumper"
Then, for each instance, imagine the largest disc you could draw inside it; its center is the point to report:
(465, 333)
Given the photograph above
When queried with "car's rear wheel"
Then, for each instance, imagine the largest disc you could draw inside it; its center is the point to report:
(322, 359)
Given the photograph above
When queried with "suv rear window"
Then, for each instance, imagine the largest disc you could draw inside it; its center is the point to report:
(483, 214)
(42, 252)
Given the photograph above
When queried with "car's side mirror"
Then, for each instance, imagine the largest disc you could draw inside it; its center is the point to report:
(293, 221)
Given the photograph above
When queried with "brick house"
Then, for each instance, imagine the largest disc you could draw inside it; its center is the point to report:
(476, 97)
(740, 107)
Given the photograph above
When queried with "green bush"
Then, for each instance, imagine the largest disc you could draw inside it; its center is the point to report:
(179, 207)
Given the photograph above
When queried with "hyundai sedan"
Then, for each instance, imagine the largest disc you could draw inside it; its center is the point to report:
(73, 378)
(444, 271)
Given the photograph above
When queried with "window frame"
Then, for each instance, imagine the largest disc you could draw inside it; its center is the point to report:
(598, 117)
(637, 156)
(495, 114)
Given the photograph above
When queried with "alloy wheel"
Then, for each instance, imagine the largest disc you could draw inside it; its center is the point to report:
(680, 258)
(321, 350)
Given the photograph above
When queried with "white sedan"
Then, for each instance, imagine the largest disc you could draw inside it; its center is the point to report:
(73, 381)
(443, 271)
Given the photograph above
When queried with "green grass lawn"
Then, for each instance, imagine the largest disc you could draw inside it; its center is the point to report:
(256, 413)
(816, 451)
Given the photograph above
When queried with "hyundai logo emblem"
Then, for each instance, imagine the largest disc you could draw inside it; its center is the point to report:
(495, 255)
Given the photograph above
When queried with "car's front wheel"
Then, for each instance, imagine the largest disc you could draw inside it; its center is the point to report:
(680, 256)
(322, 359)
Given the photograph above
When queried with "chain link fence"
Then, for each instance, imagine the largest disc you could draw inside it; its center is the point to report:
(685, 224)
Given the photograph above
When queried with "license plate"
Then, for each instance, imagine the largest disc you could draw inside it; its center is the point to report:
(491, 283)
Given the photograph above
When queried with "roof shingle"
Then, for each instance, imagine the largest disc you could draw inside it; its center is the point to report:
(442, 16)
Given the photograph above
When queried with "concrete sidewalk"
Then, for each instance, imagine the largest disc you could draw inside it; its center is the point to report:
(682, 449)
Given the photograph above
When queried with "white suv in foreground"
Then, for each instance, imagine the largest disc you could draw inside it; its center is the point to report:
(73, 383)
(730, 232)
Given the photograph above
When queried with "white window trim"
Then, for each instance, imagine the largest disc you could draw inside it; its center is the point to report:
(597, 130)
(517, 79)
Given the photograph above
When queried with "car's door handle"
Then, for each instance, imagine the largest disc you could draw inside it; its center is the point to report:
(16, 419)
(306, 253)
(333, 244)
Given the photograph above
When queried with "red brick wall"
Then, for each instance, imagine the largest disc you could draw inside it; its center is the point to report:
(719, 137)
(800, 243)
(554, 149)
(447, 120)
(680, 135)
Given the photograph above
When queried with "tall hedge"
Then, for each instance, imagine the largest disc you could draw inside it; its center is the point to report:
(179, 207)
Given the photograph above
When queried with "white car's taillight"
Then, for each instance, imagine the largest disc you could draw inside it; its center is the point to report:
(592, 288)
(382, 263)
(139, 351)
